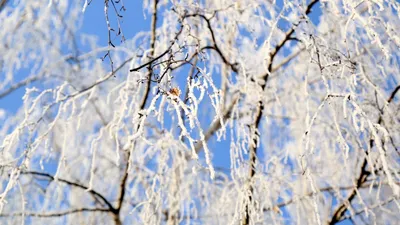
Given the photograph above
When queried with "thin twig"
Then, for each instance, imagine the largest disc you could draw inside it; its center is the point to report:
(56, 214)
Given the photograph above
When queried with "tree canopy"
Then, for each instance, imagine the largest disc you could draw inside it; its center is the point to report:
(219, 112)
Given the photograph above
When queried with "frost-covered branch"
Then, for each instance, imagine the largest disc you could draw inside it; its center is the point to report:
(340, 211)
(260, 108)
(220, 112)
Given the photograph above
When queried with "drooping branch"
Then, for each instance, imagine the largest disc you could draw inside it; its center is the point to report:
(125, 176)
(279, 206)
(260, 109)
(340, 211)
(216, 125)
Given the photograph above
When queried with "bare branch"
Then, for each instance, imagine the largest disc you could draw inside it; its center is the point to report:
(56, 214)
(73, 184)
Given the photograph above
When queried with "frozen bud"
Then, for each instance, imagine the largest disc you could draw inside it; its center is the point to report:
(175, 91)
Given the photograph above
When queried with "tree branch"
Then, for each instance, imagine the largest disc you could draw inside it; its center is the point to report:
(325, 189)
(74, 184)
(3, 4)
(215, 45)
(144, 101)
(56, 214)
(260, 108)
(14, 87)
(341, 209)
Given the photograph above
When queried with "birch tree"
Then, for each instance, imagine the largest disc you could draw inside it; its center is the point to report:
(299, 97)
